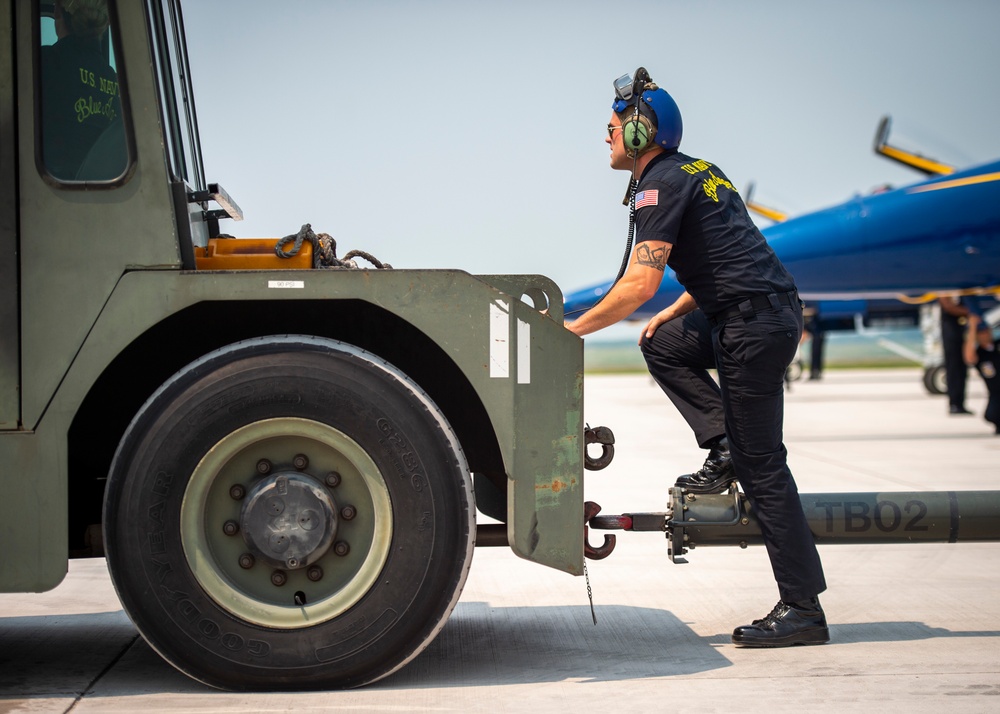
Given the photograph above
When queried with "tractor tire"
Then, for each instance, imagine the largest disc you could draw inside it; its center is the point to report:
(289, 513)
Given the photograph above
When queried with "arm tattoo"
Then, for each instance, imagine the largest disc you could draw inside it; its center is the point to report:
(655, 258)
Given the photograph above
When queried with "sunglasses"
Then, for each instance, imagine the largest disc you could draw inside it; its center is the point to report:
(611, 130)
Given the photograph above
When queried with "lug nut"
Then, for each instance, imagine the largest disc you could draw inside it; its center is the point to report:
(278, 578)
(341, 548)
(315, 573)
(263, 467)
(230, 528)
(333, 479)
(246, 561)
(237, 492)
(348, 513)
(300, 462)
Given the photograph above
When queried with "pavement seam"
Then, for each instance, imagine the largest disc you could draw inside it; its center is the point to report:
(90, 686)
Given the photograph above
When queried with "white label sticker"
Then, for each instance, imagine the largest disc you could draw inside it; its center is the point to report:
(523, 352)
(499, 340)
(284, 284)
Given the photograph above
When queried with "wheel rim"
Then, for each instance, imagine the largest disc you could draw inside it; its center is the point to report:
(939, 380)
(253, 495)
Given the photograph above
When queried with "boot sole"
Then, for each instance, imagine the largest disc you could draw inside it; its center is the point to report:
(716, 487)
(813, 637)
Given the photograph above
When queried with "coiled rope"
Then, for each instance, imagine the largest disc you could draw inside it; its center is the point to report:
(324, 251)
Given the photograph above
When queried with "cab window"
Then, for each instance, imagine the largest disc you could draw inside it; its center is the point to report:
(82, 128)
(173, 76)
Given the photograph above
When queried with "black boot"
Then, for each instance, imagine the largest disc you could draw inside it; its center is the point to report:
(715, 476)
(789, 623)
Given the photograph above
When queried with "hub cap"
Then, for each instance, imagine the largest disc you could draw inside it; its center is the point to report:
(286, 522)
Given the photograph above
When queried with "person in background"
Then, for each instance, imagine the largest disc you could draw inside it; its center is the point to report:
(817, 335)
(954, 315)
(983, 352)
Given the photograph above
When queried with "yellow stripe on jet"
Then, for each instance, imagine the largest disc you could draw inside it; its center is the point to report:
(928, 297)
(955, 183)
(771, 213)
(917, 161)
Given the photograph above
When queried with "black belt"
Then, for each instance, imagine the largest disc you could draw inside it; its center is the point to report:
(758, 303)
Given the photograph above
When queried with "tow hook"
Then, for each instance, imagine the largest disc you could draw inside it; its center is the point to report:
(599, 435)
(591, 509)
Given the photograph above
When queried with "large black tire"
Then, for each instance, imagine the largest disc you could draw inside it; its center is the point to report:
(208, 474)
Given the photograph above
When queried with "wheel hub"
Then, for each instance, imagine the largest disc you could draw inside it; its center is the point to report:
(279, 545)
(289, 520)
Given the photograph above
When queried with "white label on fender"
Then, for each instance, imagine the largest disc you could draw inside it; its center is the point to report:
(499, 340)
(523, 352)
(284, 284)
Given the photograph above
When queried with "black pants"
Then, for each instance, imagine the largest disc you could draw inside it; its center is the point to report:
(751, 357)
(679, 355)
(816, 354)
(955, 371)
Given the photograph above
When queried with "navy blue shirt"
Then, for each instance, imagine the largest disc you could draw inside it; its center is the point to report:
(719, 255)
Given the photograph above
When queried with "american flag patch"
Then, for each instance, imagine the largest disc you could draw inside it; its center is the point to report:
(647, 198)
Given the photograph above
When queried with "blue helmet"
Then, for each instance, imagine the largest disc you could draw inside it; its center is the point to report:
(656, 104)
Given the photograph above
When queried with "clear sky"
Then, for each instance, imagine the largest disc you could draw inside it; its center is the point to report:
(470, 134)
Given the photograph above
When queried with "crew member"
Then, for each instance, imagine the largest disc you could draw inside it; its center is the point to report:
(954, 316)
(688, 214)
(814, 329)
(983, 352)
(80, 97)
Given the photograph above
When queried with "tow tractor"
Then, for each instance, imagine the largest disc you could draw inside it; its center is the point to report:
(280, 451)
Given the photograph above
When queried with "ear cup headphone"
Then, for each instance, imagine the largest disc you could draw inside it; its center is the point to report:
(637, 133)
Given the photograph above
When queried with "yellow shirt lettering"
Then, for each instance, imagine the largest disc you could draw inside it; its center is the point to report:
(711, 186)
(696, 166)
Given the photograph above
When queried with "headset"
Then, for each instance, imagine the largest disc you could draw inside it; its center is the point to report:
(656, 119)
(637, 133)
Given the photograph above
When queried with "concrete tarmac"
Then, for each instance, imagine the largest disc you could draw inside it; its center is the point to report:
(914, 628)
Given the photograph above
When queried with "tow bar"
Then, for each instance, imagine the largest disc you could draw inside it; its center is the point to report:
(693, 520)
(727, 518)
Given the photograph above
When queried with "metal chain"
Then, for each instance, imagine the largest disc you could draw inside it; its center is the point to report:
(590, 593)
